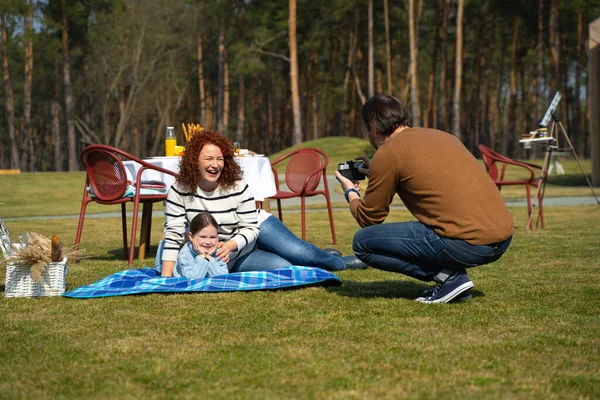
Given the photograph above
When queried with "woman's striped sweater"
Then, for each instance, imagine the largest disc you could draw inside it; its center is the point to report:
(233, 209)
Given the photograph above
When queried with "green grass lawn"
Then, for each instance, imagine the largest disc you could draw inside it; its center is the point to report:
(532, 331)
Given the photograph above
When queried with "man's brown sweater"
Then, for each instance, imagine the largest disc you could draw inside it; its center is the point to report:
(441, 184)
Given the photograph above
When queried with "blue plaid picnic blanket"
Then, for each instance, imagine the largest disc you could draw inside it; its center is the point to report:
(147, 280)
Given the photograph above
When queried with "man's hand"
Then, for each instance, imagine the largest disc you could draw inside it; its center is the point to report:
(367, 163)
(346, 183)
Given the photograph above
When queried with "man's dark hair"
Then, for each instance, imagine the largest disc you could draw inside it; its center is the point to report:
(385, 113)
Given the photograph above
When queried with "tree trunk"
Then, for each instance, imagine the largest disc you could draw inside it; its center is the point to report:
(538, 84)
(565, 104)
(458, 73)
(539, 98)
(315, 113)
(221, 82)
(69, 108)
(270, 122)
(430, 119)
(580, 60)
(136, 140)
(553, 35)
(496, 107)
(9, 100)
(87, 106)
(201, 90)
(479, 99)
(521, 120)
(345, 106)
(106, 128)
(490, 94)
(443, 104)
(511, 107)
(359, 91)
(312, 73)
(297, 133)
(241, 110)
(371, 59)
(593, 98)
(210, 112)
(27, 134)
(388, 49)
(226, 103)
(56, 132)
(414, 87)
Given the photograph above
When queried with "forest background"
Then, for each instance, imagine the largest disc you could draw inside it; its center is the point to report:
(271, 74)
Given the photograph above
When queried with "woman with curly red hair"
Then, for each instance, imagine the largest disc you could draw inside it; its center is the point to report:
(210, 180)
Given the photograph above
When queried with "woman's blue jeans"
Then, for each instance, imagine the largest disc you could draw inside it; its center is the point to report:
(414, 249)
(278, 247)
(276, 242)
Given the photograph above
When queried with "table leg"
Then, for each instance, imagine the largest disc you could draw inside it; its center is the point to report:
(145, 230)
(266, 205)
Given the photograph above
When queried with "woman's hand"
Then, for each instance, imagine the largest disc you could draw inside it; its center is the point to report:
(224, 249)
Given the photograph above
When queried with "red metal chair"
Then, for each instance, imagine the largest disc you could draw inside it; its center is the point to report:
(303, 174)
(106, 183)
(491, 159)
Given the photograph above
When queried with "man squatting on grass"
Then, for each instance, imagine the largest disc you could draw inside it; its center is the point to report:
(462, 220)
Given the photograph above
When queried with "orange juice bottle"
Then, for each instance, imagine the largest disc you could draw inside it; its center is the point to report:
(170, 142)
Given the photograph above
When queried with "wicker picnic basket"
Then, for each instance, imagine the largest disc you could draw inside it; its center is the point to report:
(20, 283)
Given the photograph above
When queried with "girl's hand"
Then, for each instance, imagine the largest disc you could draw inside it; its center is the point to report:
(200, 246)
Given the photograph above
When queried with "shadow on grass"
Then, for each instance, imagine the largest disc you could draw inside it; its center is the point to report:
(118, 255)
(571, 180)
(385, 289)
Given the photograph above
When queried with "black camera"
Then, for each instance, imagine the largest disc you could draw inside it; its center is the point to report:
(349, 170)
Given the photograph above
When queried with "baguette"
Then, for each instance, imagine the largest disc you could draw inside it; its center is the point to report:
(56, 252)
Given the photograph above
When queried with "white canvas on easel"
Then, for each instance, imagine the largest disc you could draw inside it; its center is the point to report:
(553, 148)
(554, 160)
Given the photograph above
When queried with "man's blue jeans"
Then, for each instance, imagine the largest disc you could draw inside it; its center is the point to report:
(414, 249)
(277, 247)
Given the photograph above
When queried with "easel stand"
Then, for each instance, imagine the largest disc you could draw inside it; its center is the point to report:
(549, 150)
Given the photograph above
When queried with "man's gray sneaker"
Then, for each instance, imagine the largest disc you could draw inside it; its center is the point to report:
(452, 288)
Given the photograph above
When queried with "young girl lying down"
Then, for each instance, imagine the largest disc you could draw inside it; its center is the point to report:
(196, 258)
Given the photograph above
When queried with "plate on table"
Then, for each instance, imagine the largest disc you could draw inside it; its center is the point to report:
(258, 155)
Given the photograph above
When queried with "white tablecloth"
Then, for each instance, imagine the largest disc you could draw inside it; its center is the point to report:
(256, 172)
